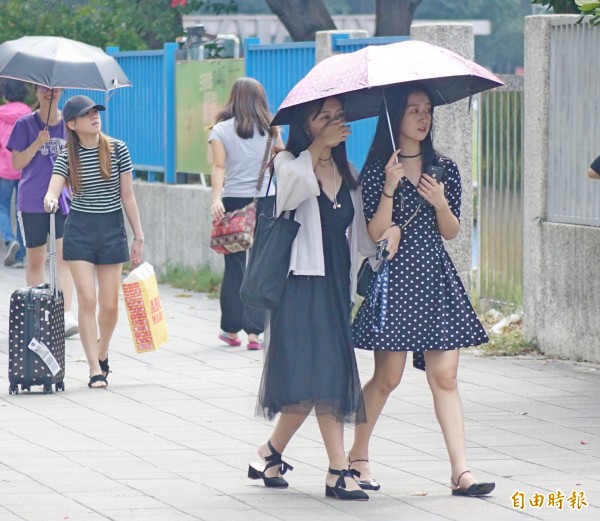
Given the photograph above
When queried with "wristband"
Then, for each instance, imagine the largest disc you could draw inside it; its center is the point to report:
(139, 239)
(386, 195)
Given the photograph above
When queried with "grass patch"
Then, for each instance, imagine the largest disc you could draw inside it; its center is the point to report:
(508, 342)
(200, 279)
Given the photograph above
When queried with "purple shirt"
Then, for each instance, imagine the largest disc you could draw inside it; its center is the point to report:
(35, 177)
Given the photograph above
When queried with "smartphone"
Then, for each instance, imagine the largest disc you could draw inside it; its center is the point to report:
(381, 252)
(437, 172)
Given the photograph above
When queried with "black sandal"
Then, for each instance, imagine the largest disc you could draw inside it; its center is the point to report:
(365, 484)
(339, 490)
(273, 460)
(475, 490)
(97, 378)
(104, 367)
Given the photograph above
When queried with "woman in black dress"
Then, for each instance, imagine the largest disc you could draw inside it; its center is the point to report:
(310, 362)
(428, 310)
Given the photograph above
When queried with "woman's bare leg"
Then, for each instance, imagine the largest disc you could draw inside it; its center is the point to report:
(389, 367)
(442, 369)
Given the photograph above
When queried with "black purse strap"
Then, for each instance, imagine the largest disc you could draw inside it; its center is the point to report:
(263, 164)
(292, 213)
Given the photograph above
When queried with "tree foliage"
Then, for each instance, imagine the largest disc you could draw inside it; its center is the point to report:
(591, 8)
(559, 6)
(503, 49)
(129, 24)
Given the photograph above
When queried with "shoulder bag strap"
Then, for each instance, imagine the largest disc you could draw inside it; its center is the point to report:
(411, 218)
(263, 165)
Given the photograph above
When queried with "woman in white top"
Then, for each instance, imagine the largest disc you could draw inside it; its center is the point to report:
(238, 141)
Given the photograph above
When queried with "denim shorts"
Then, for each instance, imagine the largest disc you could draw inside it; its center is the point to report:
(99, 238)
(35, 227)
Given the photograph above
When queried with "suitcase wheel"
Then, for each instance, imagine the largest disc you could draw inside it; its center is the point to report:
(48, 389)
(25, 388)
(13, 389)
(59, 386)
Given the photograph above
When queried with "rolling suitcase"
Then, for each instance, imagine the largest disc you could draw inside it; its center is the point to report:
(36, 344)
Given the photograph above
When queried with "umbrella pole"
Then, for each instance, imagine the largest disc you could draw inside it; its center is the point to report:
(49, 108)
(387, 114)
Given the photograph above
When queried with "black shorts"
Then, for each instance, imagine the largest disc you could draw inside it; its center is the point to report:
(99, 238)
(35, 228)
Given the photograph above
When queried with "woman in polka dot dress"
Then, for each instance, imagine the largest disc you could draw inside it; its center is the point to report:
(428, 310)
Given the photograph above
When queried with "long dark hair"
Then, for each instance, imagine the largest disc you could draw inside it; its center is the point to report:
(13, 90)
(247, 104)
(382, 146)
(299, 139)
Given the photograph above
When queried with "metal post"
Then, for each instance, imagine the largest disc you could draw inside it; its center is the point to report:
(112, 51)
(170, 116)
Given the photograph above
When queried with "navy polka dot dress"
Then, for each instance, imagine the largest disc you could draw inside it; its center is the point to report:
(428, 307)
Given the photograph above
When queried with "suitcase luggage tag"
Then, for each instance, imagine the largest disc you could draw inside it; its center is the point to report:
(44, 353)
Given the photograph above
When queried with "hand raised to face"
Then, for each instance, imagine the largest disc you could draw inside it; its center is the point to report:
(334, 133)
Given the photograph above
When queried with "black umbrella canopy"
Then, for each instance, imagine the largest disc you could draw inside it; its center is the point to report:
(60, 63)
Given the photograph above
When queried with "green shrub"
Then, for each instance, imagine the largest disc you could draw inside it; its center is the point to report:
(200, 279)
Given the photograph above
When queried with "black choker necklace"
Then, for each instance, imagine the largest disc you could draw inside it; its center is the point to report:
(409, 157)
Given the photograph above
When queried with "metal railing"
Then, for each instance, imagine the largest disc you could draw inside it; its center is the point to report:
(498, 230)
(150, 132)
(572, 197)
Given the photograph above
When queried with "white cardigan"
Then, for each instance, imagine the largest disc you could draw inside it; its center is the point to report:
(297, 189)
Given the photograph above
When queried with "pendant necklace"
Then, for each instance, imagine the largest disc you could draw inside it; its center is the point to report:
(335, 205)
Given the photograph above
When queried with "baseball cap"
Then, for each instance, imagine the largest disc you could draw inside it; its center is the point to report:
(78, 106)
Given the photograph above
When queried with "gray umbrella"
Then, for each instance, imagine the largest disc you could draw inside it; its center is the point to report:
(60, 63)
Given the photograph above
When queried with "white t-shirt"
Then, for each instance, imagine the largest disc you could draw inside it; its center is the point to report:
(243, 159)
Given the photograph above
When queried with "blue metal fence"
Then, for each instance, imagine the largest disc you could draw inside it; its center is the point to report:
(280, 66)
(150, 133)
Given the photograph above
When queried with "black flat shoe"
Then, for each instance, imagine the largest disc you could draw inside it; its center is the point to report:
(365, 484)
(273, 460)
(95, 379)
(475, 490)
(339, 490)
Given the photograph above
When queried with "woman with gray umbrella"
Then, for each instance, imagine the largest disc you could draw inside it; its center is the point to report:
(35, 142)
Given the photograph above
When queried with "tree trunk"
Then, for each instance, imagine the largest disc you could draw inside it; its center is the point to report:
(394, 17)
(302, 19)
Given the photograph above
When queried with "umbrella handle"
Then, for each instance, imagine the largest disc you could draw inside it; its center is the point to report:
(387, 114)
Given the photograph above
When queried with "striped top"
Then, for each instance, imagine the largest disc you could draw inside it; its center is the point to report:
(97, 195)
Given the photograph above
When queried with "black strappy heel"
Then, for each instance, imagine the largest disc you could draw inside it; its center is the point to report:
(339, 490)
(273, 460)
(365, 484)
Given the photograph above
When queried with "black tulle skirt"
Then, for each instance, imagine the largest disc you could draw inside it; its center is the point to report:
(310, 362)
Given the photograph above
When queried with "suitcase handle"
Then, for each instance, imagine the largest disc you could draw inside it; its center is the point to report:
(52, 255)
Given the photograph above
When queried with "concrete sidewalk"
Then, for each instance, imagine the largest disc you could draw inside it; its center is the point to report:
(171, 437)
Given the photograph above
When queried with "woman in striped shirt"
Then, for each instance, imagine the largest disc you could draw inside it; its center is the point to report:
(99, 171)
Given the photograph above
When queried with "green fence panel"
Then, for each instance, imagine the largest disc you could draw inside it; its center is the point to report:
(202, 90)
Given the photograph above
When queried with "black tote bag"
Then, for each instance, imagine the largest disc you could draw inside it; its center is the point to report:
(268, 265)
